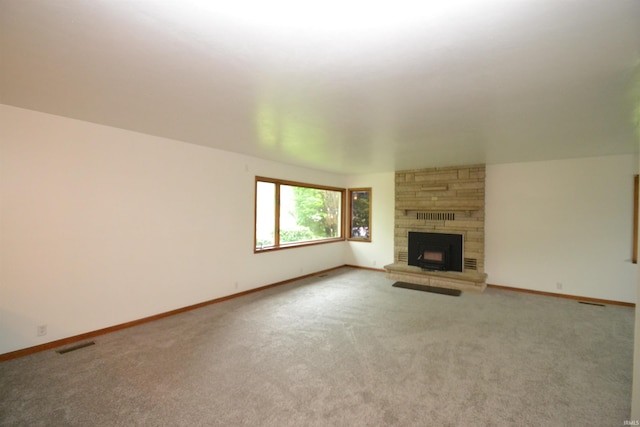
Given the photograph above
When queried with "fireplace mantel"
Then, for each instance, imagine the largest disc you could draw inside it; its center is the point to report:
(468, 281)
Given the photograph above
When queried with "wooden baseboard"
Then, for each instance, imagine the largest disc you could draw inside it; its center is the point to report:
(380, 270)
(572, 297)
(77, 338)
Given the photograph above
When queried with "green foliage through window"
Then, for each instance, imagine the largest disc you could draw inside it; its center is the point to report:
(360, 214)
(293, 213)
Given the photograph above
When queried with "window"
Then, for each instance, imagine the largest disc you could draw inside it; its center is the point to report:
(291, 214)
(360, 214)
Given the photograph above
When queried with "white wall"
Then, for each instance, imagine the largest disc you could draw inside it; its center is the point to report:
(379, 252)
(565, 221)
(100, 226)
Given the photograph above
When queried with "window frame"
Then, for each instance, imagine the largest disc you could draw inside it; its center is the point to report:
(277, 245)
(636, 198)
(350, 236)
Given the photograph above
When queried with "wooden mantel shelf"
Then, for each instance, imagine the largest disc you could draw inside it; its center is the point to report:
(408, 211)
(467, 281)
(450, 205)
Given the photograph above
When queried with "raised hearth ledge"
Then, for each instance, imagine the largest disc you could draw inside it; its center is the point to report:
(472, 282)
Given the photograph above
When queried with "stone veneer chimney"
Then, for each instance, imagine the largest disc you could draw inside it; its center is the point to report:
(441, 200)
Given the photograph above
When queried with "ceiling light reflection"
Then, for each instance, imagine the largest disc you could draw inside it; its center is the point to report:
(333, 16)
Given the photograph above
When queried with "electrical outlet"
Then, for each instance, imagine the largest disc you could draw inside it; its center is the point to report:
(559, 285)
(373, 263)
(235, 284)
(41, 330)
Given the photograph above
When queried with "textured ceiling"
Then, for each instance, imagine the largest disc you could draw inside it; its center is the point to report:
(458, 82)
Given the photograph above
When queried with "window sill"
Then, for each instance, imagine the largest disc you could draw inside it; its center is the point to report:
(297, 245)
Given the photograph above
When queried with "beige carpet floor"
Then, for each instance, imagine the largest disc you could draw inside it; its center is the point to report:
(345, 349)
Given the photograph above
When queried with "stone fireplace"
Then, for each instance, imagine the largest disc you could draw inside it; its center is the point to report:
(441, 200)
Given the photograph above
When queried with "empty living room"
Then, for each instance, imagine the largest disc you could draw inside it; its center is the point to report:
(319, 213)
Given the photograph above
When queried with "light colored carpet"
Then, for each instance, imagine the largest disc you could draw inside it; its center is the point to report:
(347, 349)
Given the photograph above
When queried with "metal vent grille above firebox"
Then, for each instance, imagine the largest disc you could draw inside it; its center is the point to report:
(436, 216)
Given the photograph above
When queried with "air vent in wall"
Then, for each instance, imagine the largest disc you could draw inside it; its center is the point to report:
(403, 256)
(470, 264)
(436, 216)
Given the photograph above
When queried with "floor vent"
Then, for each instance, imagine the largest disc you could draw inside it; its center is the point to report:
(591, 303)
(403, 256)
(75, 347)
(425, 288)
(436, 216)
(470, 264)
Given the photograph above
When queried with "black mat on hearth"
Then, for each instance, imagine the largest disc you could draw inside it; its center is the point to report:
(425, 288)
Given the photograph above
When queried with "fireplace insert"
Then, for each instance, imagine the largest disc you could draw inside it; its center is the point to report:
(435, 251)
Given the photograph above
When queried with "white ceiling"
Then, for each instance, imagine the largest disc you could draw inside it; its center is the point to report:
(337, 88)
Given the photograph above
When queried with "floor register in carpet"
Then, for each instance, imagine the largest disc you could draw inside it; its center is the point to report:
(426, 288)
